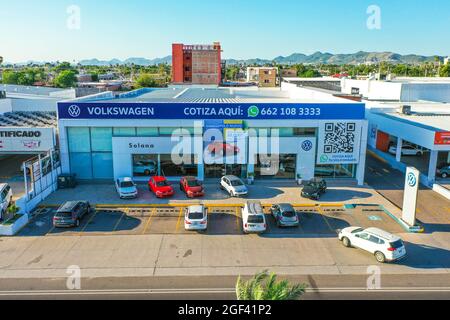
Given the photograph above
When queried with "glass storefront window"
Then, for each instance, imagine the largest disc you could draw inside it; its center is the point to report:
(336, 171)
(145, 165)
(304, 132)
(147, 132)
(167, 131)
(79, 139)
(282, 132)
(101, 139)
(284, 168)
(102, 165)
(169, 169)
(345, 171)
(81, 165)
(124, 132)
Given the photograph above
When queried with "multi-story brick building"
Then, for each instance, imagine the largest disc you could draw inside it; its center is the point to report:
(265, 76)
(197, 64)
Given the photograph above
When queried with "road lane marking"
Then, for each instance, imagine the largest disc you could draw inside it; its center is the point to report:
(212, 291)
(179, 220)
(149, 221)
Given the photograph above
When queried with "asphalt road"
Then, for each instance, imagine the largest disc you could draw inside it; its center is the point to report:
(345, 287)
(433, 210)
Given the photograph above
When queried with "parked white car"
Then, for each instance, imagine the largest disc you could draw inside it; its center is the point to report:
(196, 218)
(253, 218)
(234, 186)
(407, 151)
(384, 246)
(126, 188)
(6, 195)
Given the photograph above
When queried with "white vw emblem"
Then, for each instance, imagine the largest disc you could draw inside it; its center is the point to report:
(74, 111)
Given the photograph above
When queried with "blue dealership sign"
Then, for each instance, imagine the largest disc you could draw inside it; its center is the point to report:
(211, 111)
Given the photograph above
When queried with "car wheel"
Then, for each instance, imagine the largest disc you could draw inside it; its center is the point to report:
(346, 242)
(444, 175)
(380, 257)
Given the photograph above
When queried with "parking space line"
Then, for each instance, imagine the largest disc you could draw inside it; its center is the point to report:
(179, 220)
(326, 221)
(89, 222)
(237, 218)
(51, 230)
(149, 221)
(124, 213)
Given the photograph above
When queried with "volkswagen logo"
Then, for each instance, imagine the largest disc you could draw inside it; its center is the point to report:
(412, 180)
(307, 145)
(74, 111)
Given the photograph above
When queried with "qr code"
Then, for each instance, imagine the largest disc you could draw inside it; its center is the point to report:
(339, 138)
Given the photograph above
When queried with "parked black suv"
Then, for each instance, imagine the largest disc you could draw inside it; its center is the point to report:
(71, 213)
(314, 189)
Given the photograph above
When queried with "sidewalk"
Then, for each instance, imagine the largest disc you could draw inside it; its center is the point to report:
(184, 255)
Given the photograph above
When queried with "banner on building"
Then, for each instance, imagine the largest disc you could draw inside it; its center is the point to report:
(26, 139)
(339, 143)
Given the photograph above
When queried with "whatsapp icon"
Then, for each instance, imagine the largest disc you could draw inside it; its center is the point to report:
(253, 111)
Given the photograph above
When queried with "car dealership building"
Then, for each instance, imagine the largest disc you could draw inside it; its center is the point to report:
(209, 132)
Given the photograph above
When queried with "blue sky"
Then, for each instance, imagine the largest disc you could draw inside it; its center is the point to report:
(37, 30)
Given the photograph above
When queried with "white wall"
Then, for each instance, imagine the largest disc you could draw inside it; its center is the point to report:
(438, 92)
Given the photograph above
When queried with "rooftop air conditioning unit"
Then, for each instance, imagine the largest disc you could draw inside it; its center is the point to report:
(406, 110)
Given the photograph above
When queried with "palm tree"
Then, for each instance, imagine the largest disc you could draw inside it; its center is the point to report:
(264, 286)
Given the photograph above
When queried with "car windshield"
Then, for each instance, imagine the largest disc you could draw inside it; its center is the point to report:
(358, 230)
(289, 214)
(397, 244)
(64, 214)
(127, 184)
(255, 219)
(195, 215)
(193, 183)
(236, 183)
(162, 184)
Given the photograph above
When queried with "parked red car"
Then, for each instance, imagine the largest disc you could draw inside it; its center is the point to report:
(160, 187)
(192, 187)
(222, 148)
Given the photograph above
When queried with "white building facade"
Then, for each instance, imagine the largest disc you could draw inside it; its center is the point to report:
(208, 133)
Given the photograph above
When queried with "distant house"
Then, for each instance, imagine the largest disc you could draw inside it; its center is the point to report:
(264, 76)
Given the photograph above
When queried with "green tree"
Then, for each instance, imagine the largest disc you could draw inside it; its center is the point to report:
(10, 77)
(65, 79)
(445, 70)
(146, 80)
(264, 286)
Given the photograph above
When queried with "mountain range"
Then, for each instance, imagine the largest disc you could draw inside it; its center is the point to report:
(360, 57)
(315, 58)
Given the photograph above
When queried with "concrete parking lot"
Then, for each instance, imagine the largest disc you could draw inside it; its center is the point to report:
(316, 221)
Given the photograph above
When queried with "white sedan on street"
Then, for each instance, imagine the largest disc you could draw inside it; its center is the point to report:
(126, 188)
(384, 246)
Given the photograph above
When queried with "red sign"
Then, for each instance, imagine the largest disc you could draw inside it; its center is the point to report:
(442, 138)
